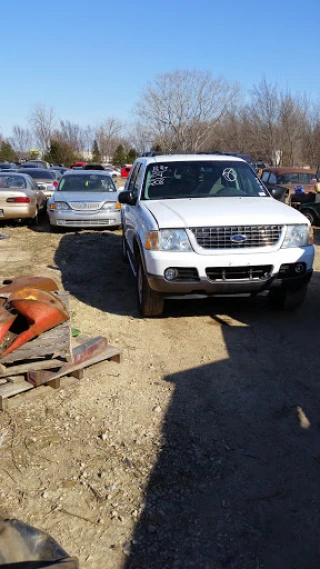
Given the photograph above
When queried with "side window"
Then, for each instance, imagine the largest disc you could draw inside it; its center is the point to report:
(265, 176)
(35, 186)
(273, 178)
(133, 187)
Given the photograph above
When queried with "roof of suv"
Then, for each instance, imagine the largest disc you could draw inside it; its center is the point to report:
(189, 158)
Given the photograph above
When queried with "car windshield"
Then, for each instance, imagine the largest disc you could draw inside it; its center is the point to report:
(40, 174)
(201, 179)
(87, 183)
(12, 182)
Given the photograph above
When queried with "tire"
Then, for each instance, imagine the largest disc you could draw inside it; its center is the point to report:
(124, 250)
(150, 302)
(34, 221)
(282, 299)
(309, 215)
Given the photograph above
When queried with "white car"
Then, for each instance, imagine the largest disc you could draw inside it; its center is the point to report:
(113, 172)
(205, 225)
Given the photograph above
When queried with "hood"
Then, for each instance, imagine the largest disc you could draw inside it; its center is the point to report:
(205, 212)
(85, 196)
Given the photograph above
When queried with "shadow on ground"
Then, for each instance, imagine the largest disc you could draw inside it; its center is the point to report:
(236, 484)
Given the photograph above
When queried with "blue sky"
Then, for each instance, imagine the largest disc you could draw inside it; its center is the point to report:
(92, 60)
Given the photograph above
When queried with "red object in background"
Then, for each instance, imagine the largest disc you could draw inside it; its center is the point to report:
(125, 170)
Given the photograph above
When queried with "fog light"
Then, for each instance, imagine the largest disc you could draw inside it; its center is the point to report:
(171, 274)
(299, 268)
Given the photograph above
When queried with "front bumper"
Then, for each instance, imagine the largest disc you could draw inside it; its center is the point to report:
(71, 218)
(210, 287)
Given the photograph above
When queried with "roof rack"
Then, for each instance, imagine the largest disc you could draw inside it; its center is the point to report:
(173, 152)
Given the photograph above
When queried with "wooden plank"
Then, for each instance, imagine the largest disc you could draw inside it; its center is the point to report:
(56, 341)
(80, 354)
(2, 381)
(33, 365)
(10, 389)
(110, 353)
(14, 378)
(34, 393)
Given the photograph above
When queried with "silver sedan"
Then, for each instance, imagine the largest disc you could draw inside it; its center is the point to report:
(84, 199)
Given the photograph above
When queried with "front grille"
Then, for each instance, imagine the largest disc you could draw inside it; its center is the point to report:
(254, 273)
(241, 237)
(87, 222)
(80, 206)
(187, 274)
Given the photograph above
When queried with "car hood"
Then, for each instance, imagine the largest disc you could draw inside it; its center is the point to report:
(85, 196)
(204, 212)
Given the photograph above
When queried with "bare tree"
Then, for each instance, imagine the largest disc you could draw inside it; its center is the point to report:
(293, 113)
(21, 139)
(72, 133)
(88, 136)
(265, 113)
(179, 109)
(107, 136)
(42, 121)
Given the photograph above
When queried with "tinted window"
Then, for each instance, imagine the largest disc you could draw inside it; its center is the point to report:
(273, 178)
(88, 183)
(265, 176)
(178, 180)
(39, 174)
(12, 182)
(305, 178)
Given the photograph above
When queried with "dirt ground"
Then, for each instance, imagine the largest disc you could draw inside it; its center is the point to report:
(200, 449)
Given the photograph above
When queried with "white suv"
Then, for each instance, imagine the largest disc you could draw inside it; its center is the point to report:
(205, 225)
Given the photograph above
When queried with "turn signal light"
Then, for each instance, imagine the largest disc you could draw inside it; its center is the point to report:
(55, 184)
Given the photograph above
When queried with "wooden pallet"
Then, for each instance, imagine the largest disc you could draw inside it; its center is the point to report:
(49, 350)
(26, 387)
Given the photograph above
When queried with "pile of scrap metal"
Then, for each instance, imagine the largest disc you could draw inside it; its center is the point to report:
(26, 547)
(28, 307)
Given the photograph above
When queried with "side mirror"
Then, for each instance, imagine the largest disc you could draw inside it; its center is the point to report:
(277, 193)
(127, 197)
(317, 187)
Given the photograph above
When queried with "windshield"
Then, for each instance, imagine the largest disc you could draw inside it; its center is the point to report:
(178, 180)
(40, 174)
(89, 183)
(12, 182)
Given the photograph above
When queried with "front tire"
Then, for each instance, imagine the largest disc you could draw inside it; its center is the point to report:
(310, 215)
(282, 299)
(150, 302)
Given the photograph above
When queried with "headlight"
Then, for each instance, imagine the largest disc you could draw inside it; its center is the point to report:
(59, 205)
(168, 240)
(298, 236)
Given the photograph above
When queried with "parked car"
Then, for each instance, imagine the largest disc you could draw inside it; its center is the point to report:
(35, 164)
(289, 178)
(93, 166)
(8, 166)
(84, 198)
(56, 173)
(20, 197)
(125, 170)
(206, 225)
(45, 179)
(113, 172)
(60, 169)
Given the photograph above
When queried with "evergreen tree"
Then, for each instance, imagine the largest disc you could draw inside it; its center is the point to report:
(7, 154)
(132, 155)
(60, 153)
(96, 156)
(119, 158)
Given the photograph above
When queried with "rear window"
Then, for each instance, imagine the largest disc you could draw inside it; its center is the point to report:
(87, 183)
(40, 174)
(296, 177)
(12, 182)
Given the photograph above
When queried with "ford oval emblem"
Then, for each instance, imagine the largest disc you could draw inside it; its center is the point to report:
(238, 238)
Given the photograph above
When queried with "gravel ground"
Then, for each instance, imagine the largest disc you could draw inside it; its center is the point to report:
(201, 449)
